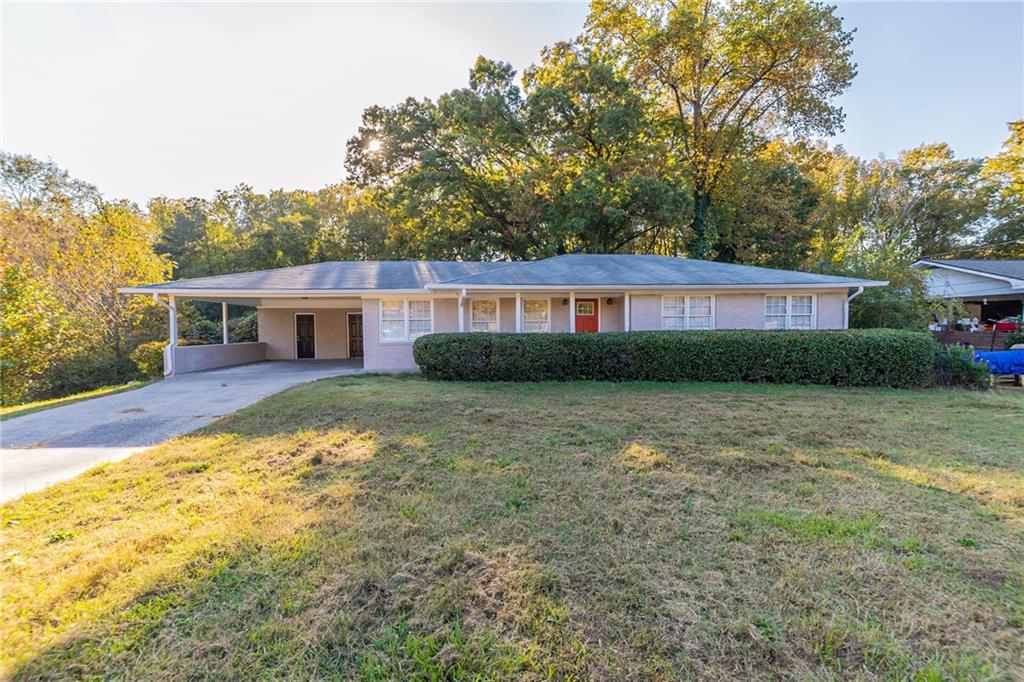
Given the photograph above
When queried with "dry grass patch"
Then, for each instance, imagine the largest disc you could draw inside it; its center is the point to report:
(393, 528)
(643, 458)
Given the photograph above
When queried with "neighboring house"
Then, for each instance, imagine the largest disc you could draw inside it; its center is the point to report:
(990, 289)
(375, 309)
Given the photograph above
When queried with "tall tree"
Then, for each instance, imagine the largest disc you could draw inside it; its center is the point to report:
(65, 253)
(566, 159)
(352, 227)
(765, 214)
(924, 202)
(181, 224)
(729, 75)
(113, 248)
(605, 172)
(1005, 172)
(33, 331)
(29, 184)
(455, 173)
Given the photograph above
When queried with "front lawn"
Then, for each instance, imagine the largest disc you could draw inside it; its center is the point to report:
(394, 528)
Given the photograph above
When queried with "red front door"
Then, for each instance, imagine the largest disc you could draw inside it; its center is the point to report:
(586, 315)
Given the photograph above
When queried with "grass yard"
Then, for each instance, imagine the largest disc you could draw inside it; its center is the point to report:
(12, 411)
(394, 528)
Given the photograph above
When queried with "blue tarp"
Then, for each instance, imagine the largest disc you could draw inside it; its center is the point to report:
(1002, 361)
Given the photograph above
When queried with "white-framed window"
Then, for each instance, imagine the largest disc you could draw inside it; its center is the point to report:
(536, 315)
(673, 312)
(392, 321)
(792, 311)
(483, 315)
(405, 320)
(687, 312)
(700, 312)
(421, 318)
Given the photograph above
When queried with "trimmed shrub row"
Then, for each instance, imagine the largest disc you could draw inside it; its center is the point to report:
(863, 357)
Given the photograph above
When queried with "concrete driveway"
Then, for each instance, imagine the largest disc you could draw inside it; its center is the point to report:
(60, 443)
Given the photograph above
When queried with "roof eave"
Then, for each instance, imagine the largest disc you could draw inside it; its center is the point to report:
(1014, 282)
(264, 293)
(655, 287)
(445, 287)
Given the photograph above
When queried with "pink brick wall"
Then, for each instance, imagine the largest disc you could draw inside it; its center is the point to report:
(507, 315)
(831, 310)
(330, 329)
(732, 311)
(390, 356)
(738, 311)
(612, 317)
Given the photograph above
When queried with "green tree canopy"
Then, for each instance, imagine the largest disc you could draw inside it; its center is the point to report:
(1005, 171)
(507, 170)
(727, 76)
(65, 253)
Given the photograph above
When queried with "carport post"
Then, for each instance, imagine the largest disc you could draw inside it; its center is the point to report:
(462, 310)
(572, 312)
(172, 324)
(172, 311)
(224, 321)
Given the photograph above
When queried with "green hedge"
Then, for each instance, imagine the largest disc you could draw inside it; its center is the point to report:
(863, 357)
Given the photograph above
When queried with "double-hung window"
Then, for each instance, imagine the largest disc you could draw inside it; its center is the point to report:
(687, 312)
(421, 318)
(483, 315)
(536, 315)
(405, 320)
(789, 312)
(392, 321)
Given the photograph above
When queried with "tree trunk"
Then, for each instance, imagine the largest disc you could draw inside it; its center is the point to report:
(117, 356)
(700, 243)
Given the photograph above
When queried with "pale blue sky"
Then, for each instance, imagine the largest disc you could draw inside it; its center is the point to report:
(184, 99)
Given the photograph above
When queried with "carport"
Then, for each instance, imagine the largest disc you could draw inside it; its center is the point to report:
(313, 327)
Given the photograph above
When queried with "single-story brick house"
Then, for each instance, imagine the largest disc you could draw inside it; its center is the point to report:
(374, 310)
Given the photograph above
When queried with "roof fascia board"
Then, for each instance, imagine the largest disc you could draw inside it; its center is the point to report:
(274, 293)
(455, 288)
(653, 287)
(1012, 281)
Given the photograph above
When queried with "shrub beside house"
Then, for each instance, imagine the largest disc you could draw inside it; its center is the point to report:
(865, 357)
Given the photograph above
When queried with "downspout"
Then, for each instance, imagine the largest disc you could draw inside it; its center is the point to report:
(172, 311)
(846, 306)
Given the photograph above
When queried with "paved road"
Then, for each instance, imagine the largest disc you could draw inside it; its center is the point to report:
(60, 443)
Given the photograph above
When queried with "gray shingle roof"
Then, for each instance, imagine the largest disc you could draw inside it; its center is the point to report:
(337, 275)
(641, 270)
(595, 270)
(1003, 268)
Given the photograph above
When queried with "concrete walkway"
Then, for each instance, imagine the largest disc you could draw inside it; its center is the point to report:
(60, 443)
